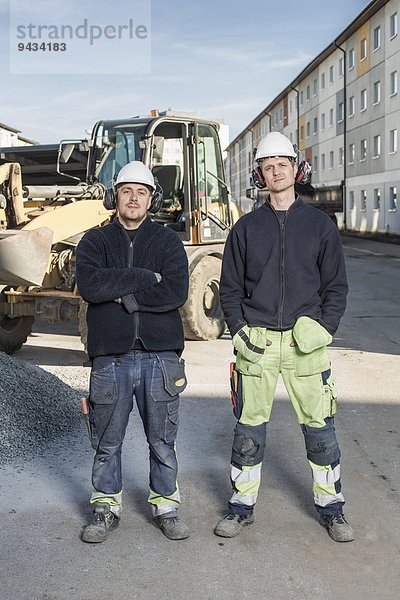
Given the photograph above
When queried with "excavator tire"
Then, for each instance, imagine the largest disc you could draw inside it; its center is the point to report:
(202, 314)
(14, 333)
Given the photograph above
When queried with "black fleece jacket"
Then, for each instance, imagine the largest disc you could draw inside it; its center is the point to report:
(108, 267)
(272, 274)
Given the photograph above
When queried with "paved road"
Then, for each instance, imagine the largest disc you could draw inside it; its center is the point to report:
(285, 554)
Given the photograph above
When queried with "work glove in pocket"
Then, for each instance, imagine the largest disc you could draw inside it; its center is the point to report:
(250, 342)
(310, 335)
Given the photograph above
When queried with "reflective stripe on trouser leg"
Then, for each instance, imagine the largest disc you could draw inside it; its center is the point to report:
(161, 505)
(247, 454)
(328, 497)
(114, 500)
(245, 482)
(323, 456)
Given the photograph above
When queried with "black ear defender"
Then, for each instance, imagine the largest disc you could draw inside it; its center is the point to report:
(110, 197)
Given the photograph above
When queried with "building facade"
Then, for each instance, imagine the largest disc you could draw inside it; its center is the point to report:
(11, 137)
(343, 112)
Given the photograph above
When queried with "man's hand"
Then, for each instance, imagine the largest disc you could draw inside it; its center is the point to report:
(158, 277)
(118, 300)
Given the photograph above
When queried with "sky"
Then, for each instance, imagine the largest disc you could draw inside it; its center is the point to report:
(220, 59)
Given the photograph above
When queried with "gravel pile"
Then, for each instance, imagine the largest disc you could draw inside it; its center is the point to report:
(35, 408)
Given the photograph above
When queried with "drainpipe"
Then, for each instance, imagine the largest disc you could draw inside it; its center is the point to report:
(298, 114)
(344, 135)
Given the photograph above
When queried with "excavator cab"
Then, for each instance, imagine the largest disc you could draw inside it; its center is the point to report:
(51, 195)
(184, 156)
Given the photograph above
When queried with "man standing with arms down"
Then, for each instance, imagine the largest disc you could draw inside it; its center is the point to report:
(134, 275)
(283, 292)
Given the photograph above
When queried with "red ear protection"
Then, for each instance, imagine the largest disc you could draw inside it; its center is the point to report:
(303, 175)
(258, 178)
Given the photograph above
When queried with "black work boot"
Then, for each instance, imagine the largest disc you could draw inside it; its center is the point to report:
(103, 521)
(231, 525)
(172, 527)
(338, 528)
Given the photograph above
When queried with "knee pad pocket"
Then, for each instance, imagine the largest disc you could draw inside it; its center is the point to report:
(321, 444)
(248, 444)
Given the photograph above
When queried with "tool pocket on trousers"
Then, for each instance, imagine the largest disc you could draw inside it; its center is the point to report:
(330, 395)
(172, 421)
(247, 367)
(311, 363)
(236, 391)
(103, 396)
(103, 385)
(168, 379)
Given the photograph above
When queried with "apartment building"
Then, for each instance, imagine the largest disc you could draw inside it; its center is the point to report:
(11, 137)
(343, 111)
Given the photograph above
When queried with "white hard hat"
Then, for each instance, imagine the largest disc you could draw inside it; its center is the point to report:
(136, 172)
(275, 144)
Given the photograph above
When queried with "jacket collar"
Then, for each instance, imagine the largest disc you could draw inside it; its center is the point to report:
(296, 204)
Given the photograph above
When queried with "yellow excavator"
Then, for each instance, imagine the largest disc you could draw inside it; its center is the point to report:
(50, 195)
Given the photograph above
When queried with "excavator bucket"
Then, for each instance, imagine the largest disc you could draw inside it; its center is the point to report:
(24, 256)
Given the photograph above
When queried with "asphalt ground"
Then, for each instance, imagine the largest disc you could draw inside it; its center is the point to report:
(285, 554)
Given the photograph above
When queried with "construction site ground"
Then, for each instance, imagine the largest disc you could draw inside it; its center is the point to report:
(285, 554)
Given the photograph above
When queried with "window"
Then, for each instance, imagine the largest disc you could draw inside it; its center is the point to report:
(290, 106)
(363, 49)
(377, 92)
(331, 74)
(363, 102)
(331, 117)
(322, 81)
(393, 83)
(393, 140)
(323, 122)
(352, 106)
(341, 157)
(377, 38)
(377, 199)
(315, 129)
(363, 148)
(323, 162)
(315, 164)
(308, 93)
(302, 132)
(393, 198)
(351, 59)
(351, 153)
(331, 159)
(341, 67)
(315, 87)
(351, 201)
(301, 98)
(340, 112)
(377, 146)
(363, 200)
(393, 25)
(308, 129)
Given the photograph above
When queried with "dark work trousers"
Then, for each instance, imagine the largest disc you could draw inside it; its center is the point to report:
(148, 377)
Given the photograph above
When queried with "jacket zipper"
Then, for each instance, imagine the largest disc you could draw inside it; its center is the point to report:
(281, 265)
(136, 313)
